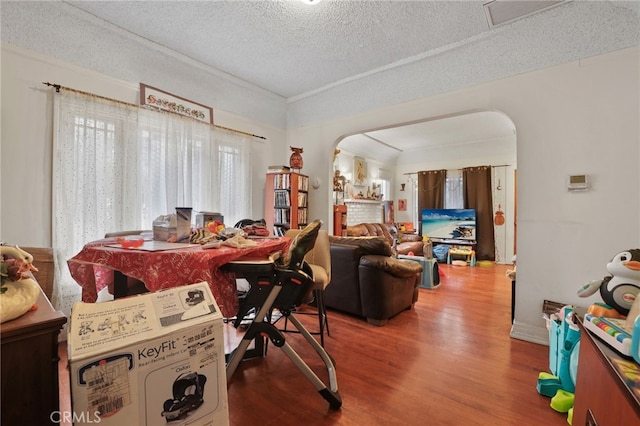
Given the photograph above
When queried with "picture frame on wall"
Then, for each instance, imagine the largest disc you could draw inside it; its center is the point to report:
(165, 101)
(389, 216)
(359, 171)
(402, 204)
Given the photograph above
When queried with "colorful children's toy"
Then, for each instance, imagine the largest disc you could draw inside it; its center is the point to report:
(618, 290)
(564, 345)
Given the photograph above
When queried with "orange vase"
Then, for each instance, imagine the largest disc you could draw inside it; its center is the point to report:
(295, 161)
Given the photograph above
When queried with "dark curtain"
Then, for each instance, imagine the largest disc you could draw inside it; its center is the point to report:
(478, 196)
(431, 187)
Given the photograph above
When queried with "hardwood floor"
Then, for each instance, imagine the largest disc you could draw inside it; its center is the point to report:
(448, 361)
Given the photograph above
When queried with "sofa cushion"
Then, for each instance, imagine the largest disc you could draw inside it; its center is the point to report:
(391, 265)
(367, 245)
(404, 243)
(370, 230)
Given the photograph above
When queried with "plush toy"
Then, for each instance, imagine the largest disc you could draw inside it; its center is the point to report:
(19, 291)
(511, 273)
(619, 290)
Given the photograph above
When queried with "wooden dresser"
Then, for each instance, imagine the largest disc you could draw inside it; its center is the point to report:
(602, 397)
(30, 366)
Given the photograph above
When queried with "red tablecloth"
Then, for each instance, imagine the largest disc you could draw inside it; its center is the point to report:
(93, 267)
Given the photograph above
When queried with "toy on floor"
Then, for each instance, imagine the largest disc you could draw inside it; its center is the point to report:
(618, 290)
(564, 346)
(511, 273)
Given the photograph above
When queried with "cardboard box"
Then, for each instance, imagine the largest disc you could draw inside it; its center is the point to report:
(151, 359)
(165, 227)
(202, 218)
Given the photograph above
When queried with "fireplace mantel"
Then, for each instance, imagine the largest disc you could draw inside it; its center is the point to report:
(362, 200)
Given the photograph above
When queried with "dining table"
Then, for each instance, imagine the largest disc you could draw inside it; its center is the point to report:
(165, 266)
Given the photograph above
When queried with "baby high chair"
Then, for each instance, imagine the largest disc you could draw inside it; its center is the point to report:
(283, 285)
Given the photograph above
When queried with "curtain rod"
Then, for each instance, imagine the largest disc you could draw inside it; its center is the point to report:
(501, 165)
(58, 87)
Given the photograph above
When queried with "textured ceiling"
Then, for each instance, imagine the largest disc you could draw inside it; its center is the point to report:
(291, 48)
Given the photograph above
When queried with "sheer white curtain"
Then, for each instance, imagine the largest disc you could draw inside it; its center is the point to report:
(118, 167)
(453, 195)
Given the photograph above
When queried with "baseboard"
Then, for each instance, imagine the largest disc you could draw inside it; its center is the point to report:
(530, 333)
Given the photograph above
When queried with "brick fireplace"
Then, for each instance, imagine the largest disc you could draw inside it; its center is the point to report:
(364, 211)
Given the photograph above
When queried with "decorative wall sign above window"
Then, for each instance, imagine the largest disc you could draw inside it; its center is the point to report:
(165, 101)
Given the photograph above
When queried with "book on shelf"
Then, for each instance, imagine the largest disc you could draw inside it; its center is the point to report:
(279, 231)
(281, 199)
(303, 183)
(278, 169)
(281, 181)
(302, 216)
(302, 199)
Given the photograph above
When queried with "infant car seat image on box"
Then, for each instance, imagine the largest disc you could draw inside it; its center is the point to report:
(188, 394)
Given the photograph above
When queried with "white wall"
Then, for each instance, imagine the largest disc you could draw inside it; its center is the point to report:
(26, 137)
(580, 117)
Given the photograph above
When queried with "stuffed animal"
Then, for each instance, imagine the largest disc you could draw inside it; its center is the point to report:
(619, 290)
(511, 273)
(19, 291)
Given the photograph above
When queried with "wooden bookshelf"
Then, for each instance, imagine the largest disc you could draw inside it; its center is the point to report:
(339, 220)
(286, 201)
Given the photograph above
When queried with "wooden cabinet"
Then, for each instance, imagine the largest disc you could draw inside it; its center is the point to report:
(602, 397)
(339, 220)
(286, 201)
(30, 366)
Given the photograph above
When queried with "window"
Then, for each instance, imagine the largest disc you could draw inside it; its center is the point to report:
(453, 194)
(384, 180)
(118, 167)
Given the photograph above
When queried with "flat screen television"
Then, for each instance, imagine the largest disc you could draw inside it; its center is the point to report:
(449, 224)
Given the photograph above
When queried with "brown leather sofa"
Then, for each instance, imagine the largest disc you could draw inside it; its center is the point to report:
(367, 281)
(408, 242)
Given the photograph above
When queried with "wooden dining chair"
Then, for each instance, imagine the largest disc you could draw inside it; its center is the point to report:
(43, 259)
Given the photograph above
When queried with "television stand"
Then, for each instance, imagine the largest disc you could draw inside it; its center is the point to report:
(453, 242)
(457, 248)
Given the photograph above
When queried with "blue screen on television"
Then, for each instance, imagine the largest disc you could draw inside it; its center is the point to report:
(454, 224)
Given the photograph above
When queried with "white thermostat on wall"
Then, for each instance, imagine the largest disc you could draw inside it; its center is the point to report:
(578, 182)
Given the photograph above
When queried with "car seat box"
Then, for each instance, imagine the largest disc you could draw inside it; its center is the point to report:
(157, 358)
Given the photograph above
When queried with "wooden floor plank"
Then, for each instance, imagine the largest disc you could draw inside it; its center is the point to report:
(448, 361)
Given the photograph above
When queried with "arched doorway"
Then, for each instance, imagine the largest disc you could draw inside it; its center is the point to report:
(449, 142)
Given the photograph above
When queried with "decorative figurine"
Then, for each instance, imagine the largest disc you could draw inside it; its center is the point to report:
(19, 291)
(295, 161)
(338, 181)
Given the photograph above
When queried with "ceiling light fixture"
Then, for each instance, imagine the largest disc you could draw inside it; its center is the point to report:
(311, 2)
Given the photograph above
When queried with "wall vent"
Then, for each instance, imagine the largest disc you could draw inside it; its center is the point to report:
(500, 12)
